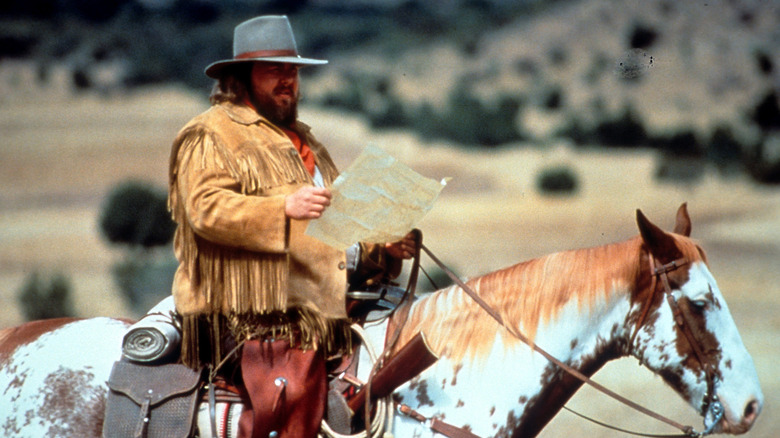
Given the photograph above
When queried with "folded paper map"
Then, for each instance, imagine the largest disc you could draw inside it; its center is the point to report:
(377, 199)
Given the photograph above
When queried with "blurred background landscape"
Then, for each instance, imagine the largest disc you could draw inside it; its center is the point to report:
(556, 120)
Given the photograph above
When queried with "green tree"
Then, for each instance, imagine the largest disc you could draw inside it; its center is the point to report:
(135, 214)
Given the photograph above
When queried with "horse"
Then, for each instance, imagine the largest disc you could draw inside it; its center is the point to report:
(585, 307)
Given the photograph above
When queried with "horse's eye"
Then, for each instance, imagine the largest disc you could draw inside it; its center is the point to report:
(699, 305)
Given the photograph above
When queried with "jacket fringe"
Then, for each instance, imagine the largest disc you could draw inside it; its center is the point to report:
(210, 339)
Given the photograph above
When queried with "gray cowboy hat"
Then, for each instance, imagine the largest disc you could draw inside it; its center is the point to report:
(268, 38)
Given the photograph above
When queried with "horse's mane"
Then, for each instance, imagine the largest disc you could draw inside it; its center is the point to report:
(528, 294)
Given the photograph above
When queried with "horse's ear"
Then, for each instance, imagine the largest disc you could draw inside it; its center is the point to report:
(655, 238)
(683, 223)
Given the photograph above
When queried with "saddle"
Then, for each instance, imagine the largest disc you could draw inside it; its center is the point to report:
(151, 395)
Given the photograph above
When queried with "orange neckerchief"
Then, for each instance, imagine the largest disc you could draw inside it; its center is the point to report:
(303, 150)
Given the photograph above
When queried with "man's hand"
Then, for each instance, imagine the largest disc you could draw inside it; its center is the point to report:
(307, 203)
(404, 248)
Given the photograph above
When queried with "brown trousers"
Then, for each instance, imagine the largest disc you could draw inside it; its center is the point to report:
(287, 390)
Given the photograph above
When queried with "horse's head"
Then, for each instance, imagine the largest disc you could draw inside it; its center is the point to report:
(684, 332)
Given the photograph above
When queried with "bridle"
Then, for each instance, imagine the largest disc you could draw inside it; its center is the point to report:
(710, 403)
(713, 405)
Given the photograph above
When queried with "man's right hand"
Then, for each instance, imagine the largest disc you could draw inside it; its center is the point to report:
(307, 203)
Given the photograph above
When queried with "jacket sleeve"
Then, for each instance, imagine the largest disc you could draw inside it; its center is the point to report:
(217, 210)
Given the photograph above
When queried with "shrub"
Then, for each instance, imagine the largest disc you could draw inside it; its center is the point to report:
(763, 161)
(557, 180)
(16, 45)
(682, 157)
(552, 98)
(348, 98)
(764, 63)
(680, 169)
(464, 117)
(470, 122)
(391, 115)
(724, 150)
(426, 121)
(679, 144)
(623, 130)
(49, 297)
(136, 213)
(642, 37)
(94, 11)
(558, 55)
(527, 67)
(766, 114)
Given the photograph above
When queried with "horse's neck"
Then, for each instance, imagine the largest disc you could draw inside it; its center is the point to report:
(584, 340)
(498, 374)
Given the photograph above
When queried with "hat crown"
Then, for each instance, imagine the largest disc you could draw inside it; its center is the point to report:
(266, 33)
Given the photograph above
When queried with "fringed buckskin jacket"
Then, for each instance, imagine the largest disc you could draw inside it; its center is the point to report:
(242, 262)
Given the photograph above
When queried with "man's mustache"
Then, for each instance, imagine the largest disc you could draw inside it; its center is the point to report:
(283, 90)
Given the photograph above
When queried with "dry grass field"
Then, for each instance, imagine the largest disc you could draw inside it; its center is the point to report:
(60, 154)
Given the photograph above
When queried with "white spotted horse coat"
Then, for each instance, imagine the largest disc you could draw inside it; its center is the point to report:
(585, 307)
(53, 374)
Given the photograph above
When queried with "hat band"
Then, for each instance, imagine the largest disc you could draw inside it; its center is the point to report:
(266, 54)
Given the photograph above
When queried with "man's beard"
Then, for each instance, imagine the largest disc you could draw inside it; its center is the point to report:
(280, 115)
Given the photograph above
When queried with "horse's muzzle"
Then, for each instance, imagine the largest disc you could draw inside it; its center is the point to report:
(743, 422)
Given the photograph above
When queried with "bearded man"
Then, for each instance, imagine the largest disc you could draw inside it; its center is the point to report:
(260, 300)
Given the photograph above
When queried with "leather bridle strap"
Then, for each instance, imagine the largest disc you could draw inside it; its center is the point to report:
(688, 431)
(684, 325)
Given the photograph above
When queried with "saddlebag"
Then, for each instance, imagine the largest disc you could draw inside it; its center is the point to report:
(157, 401)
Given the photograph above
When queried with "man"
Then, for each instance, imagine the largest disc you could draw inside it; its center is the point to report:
(259, 299)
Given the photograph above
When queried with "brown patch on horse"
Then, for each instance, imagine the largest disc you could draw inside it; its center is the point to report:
(15, 337)
(512, 424)
(65, 392)
(422, 394)
(707, 343)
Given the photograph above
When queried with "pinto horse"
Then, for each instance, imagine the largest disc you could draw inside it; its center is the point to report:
(585, 307)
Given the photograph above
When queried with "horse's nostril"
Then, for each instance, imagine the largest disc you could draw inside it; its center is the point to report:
(751, 412)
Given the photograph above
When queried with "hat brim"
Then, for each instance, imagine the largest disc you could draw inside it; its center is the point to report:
(214, 68)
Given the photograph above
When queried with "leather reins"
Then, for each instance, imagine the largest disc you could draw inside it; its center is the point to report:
(658, 270)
